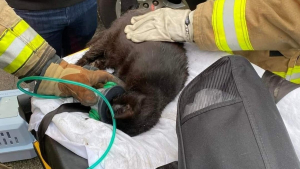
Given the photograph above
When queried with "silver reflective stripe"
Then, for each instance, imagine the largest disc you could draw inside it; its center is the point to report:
(288, 77)
(295, 76)
(229, 27)
(11, 52)
(28, 35)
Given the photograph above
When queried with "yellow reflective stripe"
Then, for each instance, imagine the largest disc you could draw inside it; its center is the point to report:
(20, 28)
(19, 60)
(230, 52)
(295, 76)
(286, 74)
(17, 45)
(296, 69)
(230, 26)
(289, 72)
(11, 52)
(36, 42)
(241, 25)
(218, 26)
(287, 77)
(281, 74)
(25, 32)
(292, 74)
(5, 40)
(297, 81)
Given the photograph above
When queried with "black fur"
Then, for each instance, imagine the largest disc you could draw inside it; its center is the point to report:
(153, 72)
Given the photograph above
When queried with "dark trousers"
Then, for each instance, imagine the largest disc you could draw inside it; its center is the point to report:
(68, 29)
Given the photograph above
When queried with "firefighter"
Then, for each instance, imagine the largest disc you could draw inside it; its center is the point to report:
(267, 32)
(23, 52)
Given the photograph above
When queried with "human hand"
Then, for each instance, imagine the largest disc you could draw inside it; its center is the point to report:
(61, 69)
(163, 24)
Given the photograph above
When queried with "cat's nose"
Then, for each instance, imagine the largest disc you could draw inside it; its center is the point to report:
(116, 107)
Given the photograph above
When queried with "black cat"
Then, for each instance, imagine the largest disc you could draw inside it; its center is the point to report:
(153, 72)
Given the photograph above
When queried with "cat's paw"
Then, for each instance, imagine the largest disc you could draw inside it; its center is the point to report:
(82, 61)
(100, 64)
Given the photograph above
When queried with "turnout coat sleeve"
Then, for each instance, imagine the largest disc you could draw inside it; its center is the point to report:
(235, 25)
(23, 52)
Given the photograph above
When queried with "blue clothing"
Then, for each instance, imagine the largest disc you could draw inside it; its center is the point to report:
(68, 29)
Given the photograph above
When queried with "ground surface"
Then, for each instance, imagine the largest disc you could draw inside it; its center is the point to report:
(8, 82)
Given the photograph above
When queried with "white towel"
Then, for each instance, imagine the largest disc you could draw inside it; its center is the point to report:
(89, 138)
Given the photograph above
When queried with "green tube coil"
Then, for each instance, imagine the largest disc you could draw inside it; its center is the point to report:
(56, 97)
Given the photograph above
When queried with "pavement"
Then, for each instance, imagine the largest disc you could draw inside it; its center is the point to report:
(9, 82)
(25, 164)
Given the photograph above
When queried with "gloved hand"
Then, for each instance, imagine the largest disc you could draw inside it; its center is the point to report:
(163, 24)
(59, 68)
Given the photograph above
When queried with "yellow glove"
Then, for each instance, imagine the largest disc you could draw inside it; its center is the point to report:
(61, 69)
(165, 24)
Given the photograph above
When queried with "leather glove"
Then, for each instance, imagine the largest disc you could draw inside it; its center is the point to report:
(163, 24)
(59, 68)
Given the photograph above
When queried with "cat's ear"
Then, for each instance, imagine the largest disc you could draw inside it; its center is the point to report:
(128, 105)
(124, 112)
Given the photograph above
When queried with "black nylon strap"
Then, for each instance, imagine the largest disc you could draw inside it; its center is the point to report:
(172, 165)
(278, 86)
(68, 107)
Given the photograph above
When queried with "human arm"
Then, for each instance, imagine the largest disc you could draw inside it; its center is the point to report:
(242, 25)
(25, 53)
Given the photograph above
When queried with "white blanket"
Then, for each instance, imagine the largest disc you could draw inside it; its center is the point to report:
(89, 138)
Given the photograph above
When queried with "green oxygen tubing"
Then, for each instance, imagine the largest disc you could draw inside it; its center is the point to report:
(56, 97)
